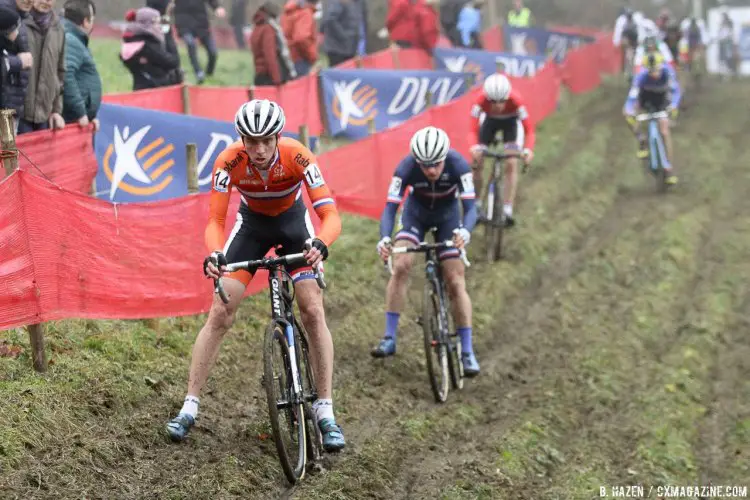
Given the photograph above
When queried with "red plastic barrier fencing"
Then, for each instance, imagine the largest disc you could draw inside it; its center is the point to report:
(161, 99)
(581, 69)
(216, 103)
(66, 157)
(68, 255)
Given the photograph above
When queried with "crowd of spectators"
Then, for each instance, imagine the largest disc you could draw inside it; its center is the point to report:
(48, 76)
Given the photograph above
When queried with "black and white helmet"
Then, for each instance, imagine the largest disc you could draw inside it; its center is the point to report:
(497, 87)
(259, 118)
(430, 145)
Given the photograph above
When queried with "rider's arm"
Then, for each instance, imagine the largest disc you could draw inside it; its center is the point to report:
(322, 201)
(674, 87)
(523, 115)
(619, 27)
(221, 188)
(666, 54)
(639, 54)
(635, 90)
(395, 195)
(480, 105)
(466, 191)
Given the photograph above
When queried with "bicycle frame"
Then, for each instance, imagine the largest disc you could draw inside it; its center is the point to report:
(657, 149)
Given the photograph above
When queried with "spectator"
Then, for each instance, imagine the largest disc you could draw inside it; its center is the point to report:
(44, 99)
(521, 16)
(238, 18)
(449, 17)
(470, 25)
(401, 22)
(361, 6)
(82, 88)
(428, 24)
(165, 8)
(192, 23)
(298, 23)
(16, 60)
(273, 63)
(341, 26)
(144, 51)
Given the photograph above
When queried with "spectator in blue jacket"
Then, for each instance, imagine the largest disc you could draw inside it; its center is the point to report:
(470, 24)
(340, 26)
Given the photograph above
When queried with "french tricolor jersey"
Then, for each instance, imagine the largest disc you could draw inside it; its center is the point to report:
(512, 109)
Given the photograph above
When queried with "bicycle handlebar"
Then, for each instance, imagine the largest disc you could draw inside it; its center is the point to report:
(264, 263)
(643, 117)
(425, 247)
(503, 155)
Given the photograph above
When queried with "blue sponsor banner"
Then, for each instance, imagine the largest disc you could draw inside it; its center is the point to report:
(744, 45)
(536, 41)
(141, 153)
(482, 63)
(353, 97)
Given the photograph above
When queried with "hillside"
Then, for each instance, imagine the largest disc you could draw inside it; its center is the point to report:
(613, 344)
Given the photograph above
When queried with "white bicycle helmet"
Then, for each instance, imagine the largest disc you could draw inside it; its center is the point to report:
(430, 145)
(497, 87)
(259, 118)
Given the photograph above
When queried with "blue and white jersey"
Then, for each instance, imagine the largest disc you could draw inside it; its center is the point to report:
(645, 85)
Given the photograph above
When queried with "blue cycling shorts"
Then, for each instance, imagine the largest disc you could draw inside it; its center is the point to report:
(416, 220)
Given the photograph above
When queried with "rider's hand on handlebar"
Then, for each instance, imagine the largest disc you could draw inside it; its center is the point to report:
(315, 252)
(384, 248)
(528, 156)
(461, 237)
(214, 265)
(477, 150)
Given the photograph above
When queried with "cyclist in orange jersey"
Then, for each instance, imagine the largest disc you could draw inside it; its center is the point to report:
(268, 171)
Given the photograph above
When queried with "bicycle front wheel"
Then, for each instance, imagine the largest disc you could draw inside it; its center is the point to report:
(435, 348)
(495, 221)
(286, 408)
(657, 154)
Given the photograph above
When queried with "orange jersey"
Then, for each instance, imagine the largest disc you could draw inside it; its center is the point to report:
(293, 166)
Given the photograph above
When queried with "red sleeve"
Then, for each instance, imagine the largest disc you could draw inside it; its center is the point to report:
(304, 34)
(268, 49)
(480, 105)
(529, 131)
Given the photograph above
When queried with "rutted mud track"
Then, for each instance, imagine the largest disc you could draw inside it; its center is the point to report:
(613, 348)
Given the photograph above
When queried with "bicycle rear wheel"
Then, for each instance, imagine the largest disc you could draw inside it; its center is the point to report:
(286, 410)
(436, 350)
(495, 226)
(314, 437)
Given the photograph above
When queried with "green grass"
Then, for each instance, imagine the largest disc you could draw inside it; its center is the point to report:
(234, 68)
(612, 341)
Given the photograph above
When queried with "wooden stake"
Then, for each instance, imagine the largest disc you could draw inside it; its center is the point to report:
(10, 162)
(304, 136)
(371, 126)
(191, 160)
(185, 99)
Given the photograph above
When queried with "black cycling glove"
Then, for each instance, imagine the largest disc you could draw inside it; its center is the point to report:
(216, 258)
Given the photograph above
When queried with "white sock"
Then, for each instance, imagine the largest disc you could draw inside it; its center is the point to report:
(323, 408)
(190, 406)
(508, 209)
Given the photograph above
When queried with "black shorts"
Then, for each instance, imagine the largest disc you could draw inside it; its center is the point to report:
(631, 35)
(255, 234)
(512, 129)
(653, 102)
(416, 220)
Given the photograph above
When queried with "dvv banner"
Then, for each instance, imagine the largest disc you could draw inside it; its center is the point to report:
(354, 97)
(482, 63)
(539, 42)
(141, 153)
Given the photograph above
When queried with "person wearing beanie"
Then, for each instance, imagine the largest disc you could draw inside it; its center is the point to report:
(43, 105)
(273, 64)
(16, 60)
(166, 8)
(144, 53)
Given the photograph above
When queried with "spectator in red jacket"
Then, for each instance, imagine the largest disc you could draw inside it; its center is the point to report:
(428, 25)
(273, 65)
(401, 22)
(298, 23)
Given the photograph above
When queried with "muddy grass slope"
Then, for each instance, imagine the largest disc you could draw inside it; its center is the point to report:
(613, 347)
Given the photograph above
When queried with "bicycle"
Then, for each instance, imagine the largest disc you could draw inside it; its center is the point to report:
(657, 154)
(440, 340)
(495, 220)
(290, 390)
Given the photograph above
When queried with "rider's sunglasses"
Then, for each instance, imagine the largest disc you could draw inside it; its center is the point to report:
(428, 166)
